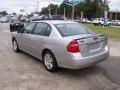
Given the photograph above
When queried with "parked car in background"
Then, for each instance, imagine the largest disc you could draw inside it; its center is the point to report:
(116, 22)
(23, 19)
(15, 18)
(47, 17)
(4, 19)
(0, 16)
(100, 21)
(76, 20)
(11, 17)
(61, 43)
(85, 20)
(27, 20)
(82, 20)
(16, 24)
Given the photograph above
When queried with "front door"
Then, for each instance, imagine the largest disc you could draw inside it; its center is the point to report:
(24, 37)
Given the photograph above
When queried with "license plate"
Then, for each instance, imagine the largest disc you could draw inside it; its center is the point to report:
(93, 46)
(17, 24)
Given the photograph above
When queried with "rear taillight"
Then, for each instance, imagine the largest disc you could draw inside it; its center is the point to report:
(73, 47)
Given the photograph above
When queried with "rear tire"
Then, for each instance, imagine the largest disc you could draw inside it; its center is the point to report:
(49, 61)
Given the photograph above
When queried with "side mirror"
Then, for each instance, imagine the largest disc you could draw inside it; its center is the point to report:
(19, 31)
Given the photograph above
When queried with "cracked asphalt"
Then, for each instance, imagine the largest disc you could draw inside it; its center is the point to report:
(20, 71)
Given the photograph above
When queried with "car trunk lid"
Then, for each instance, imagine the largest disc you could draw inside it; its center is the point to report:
(90, 44)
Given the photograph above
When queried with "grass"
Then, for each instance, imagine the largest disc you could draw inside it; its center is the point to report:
(111, 32)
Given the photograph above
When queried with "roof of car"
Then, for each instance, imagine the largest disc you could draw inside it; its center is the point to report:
(56, 21)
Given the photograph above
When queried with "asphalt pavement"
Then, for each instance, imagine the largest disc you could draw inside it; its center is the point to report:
(20, 71)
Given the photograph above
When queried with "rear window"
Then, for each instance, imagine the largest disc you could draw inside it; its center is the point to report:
(57, 18)
(70, 29)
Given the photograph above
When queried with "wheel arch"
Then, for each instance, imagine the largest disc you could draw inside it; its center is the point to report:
(46, 49)
(55, 64)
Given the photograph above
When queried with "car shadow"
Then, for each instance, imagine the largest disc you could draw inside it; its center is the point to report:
(109, 69)
(84, 72)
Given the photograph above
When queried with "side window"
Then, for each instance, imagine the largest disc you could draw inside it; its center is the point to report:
(48, 30)
(28, 29)
(40, 29)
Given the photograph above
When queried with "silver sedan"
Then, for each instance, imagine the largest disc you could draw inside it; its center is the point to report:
(65, 44)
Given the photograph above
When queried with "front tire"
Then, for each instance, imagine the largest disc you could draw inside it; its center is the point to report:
(15, 46)
(49, 61)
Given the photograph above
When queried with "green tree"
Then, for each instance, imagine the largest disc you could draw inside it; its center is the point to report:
(54, 9)
(91, 8)
(65, 6)
(44, 10)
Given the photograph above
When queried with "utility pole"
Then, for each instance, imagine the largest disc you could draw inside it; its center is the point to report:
(49, 8)
(72, 3)
(64, 13)
(73, 11)
(56, 11)
(37, 6)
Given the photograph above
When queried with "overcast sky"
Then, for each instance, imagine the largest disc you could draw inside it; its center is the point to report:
(29, 5)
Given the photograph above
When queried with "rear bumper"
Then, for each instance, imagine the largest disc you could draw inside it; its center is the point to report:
(77, 63)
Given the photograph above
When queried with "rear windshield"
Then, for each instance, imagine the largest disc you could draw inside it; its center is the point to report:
(70, 29)
(57, 18)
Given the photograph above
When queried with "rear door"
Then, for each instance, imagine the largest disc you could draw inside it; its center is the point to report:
(39, 38)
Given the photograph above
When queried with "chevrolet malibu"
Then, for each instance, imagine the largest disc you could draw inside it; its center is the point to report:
(60, 43)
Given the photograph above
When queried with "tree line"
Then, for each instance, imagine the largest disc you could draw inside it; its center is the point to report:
(90, 8)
